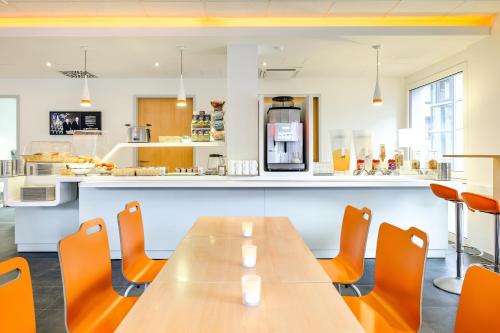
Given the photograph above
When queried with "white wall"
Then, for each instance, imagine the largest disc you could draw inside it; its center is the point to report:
(482, 121)
(115, 98)
(345, 103)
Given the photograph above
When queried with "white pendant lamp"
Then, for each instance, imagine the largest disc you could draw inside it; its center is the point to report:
(181, 96)
(377, 95)
(85, 102)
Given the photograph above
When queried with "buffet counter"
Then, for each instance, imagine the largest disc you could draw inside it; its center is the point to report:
(171, 204)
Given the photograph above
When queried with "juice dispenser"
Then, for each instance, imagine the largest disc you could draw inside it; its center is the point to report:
(340, 141)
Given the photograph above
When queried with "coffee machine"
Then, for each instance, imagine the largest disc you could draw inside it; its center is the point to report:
(285, 136)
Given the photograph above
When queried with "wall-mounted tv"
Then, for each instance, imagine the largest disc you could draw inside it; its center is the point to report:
(66, 122)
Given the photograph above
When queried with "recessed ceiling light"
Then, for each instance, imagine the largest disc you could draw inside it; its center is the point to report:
(264, 64)
(48, 64)
(157, 64)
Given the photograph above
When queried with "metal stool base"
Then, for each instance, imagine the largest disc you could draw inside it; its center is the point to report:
(449, 284)
(470, 250)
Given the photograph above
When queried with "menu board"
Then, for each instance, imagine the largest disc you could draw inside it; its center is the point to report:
(66, 122)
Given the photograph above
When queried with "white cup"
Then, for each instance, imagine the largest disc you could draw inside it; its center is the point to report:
(238, 167)
(250, 289)
(247, 229)
(249, 255)
(246, 167)
(231, 165)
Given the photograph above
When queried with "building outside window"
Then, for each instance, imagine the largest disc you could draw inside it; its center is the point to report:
(437, 110)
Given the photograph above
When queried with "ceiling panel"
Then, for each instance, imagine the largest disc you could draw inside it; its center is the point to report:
(299, 8)
(236, 9)
(173, 8)
(426, 6)
(362, 7)
(55, 9)
(479, 7)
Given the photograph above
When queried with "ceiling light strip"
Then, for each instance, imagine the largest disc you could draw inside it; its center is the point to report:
(250, 22)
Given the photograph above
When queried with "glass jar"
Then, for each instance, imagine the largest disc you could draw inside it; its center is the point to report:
(382, 154)
(432, 163)
(399, 158)
(415, 160)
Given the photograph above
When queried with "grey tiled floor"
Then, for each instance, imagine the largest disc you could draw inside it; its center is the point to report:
(439, 307)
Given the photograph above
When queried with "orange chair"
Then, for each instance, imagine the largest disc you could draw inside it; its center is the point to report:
(394, 304)
(137, 267)
(348, 266)
(92, 305)
(17, 309)
(479, 303)
(487, 205)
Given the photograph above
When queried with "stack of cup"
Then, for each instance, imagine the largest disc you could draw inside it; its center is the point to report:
(242, 168)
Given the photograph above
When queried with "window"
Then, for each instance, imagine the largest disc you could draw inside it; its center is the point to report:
(437, 110)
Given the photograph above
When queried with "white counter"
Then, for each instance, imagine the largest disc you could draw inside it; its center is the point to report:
(242, 182)
(171, 204)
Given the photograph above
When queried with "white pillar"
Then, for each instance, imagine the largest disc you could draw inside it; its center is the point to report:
(242, 103)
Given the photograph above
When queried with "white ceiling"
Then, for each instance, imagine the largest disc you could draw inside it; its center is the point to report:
(134, 57)
(248, 8)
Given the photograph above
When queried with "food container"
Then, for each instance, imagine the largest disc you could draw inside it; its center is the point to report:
(340, 141)
(20, 167)
(169, 139)
(6, 168)
(432, 163)
(141, 134)
(444, 171)
(363, 146)
(48, 152)
(415, 160)
(283, 102)
(217, 105)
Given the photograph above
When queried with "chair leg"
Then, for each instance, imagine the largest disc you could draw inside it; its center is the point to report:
(356, 290)
(129, 288)
(454, 284)
(497, 244)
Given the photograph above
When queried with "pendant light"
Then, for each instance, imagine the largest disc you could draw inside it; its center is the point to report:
(181, 96)
(377, 96)
(85, 102)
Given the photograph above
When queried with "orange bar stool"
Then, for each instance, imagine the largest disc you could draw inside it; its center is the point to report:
(348, 266)
(479, 302)
(394, 304)
(487, 205)
(452, 284)
(137, 267)
(17, 309)
(91, 303)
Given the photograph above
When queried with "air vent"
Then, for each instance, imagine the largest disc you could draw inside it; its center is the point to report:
(279, 73)
(78, 74)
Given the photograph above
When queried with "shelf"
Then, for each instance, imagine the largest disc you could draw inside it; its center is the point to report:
(473, 156)
(160, 145)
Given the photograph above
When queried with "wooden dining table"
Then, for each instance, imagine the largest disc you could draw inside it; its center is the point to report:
(199, 290)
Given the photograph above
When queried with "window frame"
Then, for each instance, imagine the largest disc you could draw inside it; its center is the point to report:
(436, 76)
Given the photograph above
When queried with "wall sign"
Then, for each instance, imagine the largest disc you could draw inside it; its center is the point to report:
(66, 122)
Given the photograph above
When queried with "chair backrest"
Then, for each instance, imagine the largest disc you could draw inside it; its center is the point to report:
(353, 236)
(445, 192)
(481, 203)
(17, 309)
(479, 302)
(399, 271)
(86, 268)
(131, 235)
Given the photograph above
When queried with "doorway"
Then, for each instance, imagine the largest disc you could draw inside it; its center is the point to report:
(166, 119)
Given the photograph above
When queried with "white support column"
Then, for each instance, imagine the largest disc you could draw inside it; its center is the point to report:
(242, 103)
